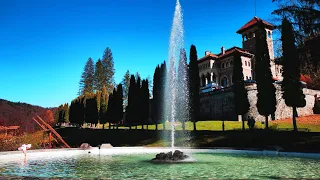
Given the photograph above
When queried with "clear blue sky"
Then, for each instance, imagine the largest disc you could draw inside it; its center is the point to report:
(44, 44)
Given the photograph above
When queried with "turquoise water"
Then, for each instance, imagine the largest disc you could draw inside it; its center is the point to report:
(206, 166)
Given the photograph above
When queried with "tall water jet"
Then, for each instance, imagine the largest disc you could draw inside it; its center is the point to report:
(176, 94)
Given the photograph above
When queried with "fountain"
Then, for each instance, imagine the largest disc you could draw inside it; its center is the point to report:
(176, 98)
(134, 162)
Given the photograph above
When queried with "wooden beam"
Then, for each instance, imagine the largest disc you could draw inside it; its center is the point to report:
(40, 124)
(54, 132)
(50, 139)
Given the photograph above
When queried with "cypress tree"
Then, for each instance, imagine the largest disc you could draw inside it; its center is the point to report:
(60, 114)
(91, 110)
(110, 110)
(81, 110)
(241, 101)
(291, 86)
(99, 76)
(163, 74)
(57, 114)
(119, 104)
(107, 62)
(137, 109)
(103, 106)
(130, 114)
(266, 91)
(194, 86)
(183, 90)
(125, 85)
(72, 112)
(144, 103)
(155, 108)
(98, 99)
(66, 113)
(87, 78)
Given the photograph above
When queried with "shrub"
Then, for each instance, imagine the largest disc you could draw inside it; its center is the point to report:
(251, 123)
(316, 108)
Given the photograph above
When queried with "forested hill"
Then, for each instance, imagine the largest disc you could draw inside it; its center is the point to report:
(21, 114)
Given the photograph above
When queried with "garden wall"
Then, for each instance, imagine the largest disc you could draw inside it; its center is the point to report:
(219, 105)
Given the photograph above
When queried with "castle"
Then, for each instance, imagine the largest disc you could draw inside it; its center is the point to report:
(218, 68)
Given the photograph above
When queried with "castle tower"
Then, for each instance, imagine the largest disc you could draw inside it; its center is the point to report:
(248, 32)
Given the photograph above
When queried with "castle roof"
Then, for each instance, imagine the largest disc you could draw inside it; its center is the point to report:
(253, 22)
(227, 53)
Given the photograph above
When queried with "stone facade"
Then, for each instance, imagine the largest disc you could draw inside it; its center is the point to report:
(218, 68)
(218, 105)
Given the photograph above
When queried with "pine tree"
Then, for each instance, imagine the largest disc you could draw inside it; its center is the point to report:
(241, 101)
(266, 103)
(99, 76)
(87, 78)
(194, 86)
(291, 86)
(183, 90)
(126, 84)
(107, 61)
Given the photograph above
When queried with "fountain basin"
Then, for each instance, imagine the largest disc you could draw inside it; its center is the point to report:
(135, 163)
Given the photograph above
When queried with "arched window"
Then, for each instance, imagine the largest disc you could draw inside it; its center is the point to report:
(227, 64)
(249, 64)
(231, 62)
(245, 63)
(208, 78)
(222, 65)
(224, 81)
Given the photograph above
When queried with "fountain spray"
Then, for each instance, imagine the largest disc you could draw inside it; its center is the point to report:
(172, 94)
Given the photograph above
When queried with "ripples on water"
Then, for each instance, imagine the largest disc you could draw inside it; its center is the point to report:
(140, 167)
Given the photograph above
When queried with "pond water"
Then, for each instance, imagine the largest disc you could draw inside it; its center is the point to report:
(139, 166)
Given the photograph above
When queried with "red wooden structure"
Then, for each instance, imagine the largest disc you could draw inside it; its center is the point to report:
(52, 133)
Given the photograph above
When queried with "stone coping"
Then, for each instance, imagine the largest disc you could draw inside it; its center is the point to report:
(121, 150)
(131, 150)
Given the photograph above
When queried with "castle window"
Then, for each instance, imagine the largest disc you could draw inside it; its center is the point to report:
(247, 78)
(222, 65)
(227, 64)
(269, 34)
(231, 62)
(245, 63)
(249, 64)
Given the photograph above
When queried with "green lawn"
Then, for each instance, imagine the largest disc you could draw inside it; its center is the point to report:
(228, 125)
